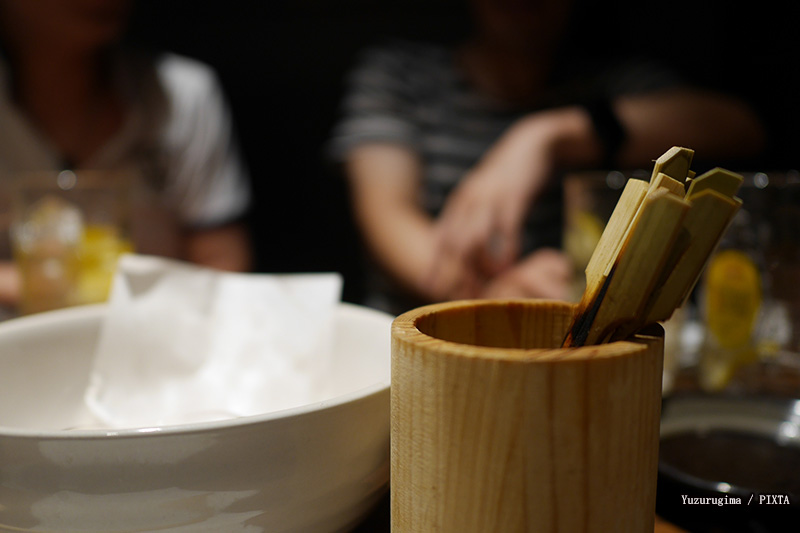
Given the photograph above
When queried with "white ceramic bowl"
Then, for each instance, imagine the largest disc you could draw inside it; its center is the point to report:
(316, 468)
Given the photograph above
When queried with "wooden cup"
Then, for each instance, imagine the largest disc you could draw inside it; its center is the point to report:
(495, 428)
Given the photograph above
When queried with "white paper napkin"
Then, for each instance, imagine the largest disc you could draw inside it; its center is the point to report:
(182, 344)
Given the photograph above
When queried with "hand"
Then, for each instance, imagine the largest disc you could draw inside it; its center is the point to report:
(481, 223)
(454, 281)
(546, 273)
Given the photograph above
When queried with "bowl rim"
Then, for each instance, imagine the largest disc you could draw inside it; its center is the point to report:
(95, 311)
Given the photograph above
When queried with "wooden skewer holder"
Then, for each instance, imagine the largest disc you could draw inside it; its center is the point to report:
(496, 428)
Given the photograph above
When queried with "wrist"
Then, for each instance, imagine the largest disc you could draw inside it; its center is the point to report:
(608, 130)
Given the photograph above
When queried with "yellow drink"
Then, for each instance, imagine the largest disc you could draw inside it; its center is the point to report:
(98, 253)
(56, 275)
(67, 233)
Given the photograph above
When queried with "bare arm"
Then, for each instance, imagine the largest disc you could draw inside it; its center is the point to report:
(489, 206)
(714, 125)
(224, 248)
(384, 181)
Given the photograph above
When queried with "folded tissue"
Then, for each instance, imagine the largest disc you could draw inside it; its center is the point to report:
(183, 344)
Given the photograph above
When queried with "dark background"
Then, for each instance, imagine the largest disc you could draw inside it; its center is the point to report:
(282, 65)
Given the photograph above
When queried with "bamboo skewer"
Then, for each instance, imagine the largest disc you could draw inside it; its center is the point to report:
(663, 181)
(713, 208)
(605, 253)
(675, 163)
(634, 273)
(654, 248)
(723, 181)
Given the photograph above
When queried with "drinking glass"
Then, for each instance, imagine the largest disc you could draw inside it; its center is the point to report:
(67, 231)
(749, 296)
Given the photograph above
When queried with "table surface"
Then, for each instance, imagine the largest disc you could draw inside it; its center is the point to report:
(379, 521)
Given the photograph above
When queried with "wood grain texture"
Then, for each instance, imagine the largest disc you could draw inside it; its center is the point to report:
(525, 436)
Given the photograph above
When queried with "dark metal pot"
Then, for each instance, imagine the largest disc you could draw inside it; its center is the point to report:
(730, 464)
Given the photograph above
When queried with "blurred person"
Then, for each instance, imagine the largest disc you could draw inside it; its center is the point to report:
(452, 154)
(71, 97)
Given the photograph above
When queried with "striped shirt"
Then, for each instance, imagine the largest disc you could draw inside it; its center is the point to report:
(415, 95)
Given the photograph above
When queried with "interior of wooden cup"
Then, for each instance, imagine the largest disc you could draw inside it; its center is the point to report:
(519, 324)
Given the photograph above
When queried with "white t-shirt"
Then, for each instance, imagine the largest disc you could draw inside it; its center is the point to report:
(177, 141)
